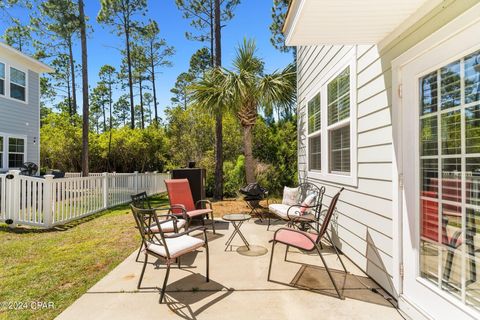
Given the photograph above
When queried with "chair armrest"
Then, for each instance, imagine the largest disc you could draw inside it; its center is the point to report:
(180, 207)
(204, 201)
(176, 235)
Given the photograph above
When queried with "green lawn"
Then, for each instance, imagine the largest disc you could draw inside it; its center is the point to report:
(57, 266)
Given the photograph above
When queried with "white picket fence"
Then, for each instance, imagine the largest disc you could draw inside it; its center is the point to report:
(46, 202)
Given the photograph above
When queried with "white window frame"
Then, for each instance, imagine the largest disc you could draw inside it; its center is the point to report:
(8, 65)
(351, 179)
(6, 152)
(10, 82)
(4, 79)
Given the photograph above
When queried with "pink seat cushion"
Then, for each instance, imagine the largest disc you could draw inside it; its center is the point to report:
(176, 246)
(199, 212)
(168, 226)
(296, 238)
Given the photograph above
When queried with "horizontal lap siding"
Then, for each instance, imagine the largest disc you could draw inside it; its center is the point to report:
(363, 225)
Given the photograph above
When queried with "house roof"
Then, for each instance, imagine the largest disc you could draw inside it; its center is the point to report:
(20, 57)
(317, 22)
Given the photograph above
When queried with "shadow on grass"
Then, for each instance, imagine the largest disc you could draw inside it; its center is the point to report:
(157, 201)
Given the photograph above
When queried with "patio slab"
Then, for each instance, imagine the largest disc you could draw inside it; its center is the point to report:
(238, 287)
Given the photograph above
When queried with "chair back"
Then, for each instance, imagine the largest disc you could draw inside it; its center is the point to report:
(179, 193)
(307, 188)
(328, 216)
(146, 220)
(140, 200)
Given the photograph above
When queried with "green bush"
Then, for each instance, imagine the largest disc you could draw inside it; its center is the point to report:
(234, 176)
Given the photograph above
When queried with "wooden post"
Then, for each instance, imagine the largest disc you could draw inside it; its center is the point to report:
(47, 201)
(13, 197)
(105, 190)
(135, 181)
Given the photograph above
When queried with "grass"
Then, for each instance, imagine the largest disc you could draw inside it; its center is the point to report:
(55, 267)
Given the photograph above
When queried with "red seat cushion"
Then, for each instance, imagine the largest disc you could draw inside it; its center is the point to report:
(299, 239)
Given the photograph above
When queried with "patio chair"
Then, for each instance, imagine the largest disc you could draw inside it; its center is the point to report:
(307, 241)
(140, 200)
(170, 247)
(181, 202)
(306, 212)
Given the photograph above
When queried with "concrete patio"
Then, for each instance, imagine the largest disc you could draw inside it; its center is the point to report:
(238, 287)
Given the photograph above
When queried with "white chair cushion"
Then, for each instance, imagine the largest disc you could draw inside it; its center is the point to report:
(281, 209)
(177, 246)
(290, 196)
(168, 226)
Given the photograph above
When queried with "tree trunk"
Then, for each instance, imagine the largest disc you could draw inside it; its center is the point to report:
(83, 37)
(218, 195)
(104, 118)
(249, 162)
(110, 129)
(212, 36)
(69, 97)
(72, 73)
(130, 81)
(153, 84)
(141, 103)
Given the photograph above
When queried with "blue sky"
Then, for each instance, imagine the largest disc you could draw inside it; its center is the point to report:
(252, 19)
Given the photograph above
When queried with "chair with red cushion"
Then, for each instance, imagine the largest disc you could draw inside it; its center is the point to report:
(181, 202)
(307, 241)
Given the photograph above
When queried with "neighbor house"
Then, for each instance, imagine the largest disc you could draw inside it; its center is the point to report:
(19, 108)
(389, 108)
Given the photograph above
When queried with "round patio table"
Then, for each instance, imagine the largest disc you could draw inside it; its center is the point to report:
(237, 219)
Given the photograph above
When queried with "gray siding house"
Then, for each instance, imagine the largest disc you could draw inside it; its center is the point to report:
(19, 108)
(389, 108)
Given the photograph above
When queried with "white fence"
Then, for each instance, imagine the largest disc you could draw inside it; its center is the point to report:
(46, 202)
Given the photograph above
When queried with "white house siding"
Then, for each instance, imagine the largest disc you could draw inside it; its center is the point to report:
(363, 227)
(18, 118)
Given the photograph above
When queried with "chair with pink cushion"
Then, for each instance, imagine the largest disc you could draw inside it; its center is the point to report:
(307, 241)
(170, 247)
(181, 202)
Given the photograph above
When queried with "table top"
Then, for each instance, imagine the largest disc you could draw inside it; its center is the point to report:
(236, 217)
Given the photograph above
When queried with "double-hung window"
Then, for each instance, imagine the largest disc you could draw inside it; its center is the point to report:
(18, 83)
(2, 79)
(331, 114)
(315, 135)
(16, 152)
(339, 123)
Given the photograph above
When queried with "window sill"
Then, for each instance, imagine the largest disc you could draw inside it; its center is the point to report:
(349, 180)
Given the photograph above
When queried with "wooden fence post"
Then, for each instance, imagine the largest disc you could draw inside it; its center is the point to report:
(47, 201)
(135, 181)
(12, 194)
(105, 190)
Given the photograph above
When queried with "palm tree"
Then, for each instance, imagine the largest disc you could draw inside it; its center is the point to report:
(246, 90)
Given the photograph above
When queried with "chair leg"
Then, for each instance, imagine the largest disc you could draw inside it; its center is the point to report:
(213, 224)
(336, 251)
(271, 258)
(143, 271)
(329, 274)
(208, 260)
(179, 263)
(286, 252)
(140, 250)
(162, 294)
(268, 226)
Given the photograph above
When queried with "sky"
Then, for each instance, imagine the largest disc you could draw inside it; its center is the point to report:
(252, 20)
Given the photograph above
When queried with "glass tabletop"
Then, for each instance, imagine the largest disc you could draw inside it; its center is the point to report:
(236, 217)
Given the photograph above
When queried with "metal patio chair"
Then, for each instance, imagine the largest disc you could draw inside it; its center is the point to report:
(307, 241)
(181, 202)
(170, 247)
(300, 215)
(141, 201)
